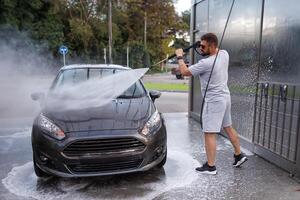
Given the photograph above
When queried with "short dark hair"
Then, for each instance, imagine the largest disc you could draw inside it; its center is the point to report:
(210, 38)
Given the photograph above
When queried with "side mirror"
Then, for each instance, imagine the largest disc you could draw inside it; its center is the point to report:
(154, 94)
(38, 96)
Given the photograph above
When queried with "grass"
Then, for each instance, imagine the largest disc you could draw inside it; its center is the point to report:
(167, 86)
(235, 89)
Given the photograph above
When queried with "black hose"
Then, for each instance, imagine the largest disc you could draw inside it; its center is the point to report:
(220, 45)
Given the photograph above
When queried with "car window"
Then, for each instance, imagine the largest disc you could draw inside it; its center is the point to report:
(134, 91)
(71, 77)
(100, 73)
(74, 76)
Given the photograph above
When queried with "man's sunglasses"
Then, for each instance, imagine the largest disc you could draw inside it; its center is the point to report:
(202, 46)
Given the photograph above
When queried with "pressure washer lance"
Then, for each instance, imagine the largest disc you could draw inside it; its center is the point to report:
(194, 46)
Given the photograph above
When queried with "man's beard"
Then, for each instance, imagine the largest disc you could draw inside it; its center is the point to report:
(204, 54)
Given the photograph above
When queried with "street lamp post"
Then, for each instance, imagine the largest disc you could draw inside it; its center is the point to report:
(145, 30)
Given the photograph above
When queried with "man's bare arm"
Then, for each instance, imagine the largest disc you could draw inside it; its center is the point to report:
(184, 70)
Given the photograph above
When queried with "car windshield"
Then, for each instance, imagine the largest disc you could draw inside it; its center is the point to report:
(71, 77)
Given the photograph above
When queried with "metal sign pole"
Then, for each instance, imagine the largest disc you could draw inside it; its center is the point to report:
(63, 50)
(127, 56)
(104, 55)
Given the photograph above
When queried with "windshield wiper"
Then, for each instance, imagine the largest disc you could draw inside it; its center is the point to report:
(129, 96)
(124, 97)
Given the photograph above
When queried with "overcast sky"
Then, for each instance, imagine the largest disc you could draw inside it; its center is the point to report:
(182, 5)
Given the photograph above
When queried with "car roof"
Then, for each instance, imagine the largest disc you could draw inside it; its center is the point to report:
(83, 66)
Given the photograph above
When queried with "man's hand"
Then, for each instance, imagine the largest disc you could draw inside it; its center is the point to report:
(179, 52)
(182, 66)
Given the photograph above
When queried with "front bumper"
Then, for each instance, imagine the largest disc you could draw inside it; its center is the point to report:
(50, 157)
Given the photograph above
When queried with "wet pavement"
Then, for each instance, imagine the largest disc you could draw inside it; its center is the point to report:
(257, 179)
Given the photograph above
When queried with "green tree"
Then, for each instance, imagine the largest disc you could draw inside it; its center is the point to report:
(82, 26)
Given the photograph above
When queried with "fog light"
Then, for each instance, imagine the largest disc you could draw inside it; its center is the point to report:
(43, 158)
(159, 150)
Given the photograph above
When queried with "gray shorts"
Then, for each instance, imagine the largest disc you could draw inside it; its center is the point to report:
(216, 115)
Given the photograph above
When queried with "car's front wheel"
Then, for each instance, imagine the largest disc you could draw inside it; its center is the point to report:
(163, 162)
(39, 173)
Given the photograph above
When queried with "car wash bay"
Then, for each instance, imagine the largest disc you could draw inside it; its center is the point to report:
(177, 180)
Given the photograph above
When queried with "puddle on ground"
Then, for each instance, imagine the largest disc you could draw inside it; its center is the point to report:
(178, 172)
(19, 134)
(8, 139)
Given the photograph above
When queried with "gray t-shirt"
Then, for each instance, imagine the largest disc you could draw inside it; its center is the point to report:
(217, 88)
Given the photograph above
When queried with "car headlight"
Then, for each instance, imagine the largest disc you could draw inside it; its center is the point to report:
(153, 123)
(50, 128)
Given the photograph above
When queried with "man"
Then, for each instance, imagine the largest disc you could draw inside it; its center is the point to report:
(217, 106)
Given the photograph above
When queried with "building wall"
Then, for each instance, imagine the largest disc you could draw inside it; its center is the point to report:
(281, 41)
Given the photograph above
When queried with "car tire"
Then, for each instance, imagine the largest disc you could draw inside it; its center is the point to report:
(163, 162)
(39, 173)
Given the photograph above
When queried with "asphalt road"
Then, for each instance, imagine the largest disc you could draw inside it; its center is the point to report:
(171, 102)
(164, 78)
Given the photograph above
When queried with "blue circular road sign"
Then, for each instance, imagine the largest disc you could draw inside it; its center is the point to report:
(63, 50)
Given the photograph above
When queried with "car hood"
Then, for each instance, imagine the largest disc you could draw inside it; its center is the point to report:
(115, 115)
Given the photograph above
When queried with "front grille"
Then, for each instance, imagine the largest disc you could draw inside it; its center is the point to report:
(102, 146)
(106, 167)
